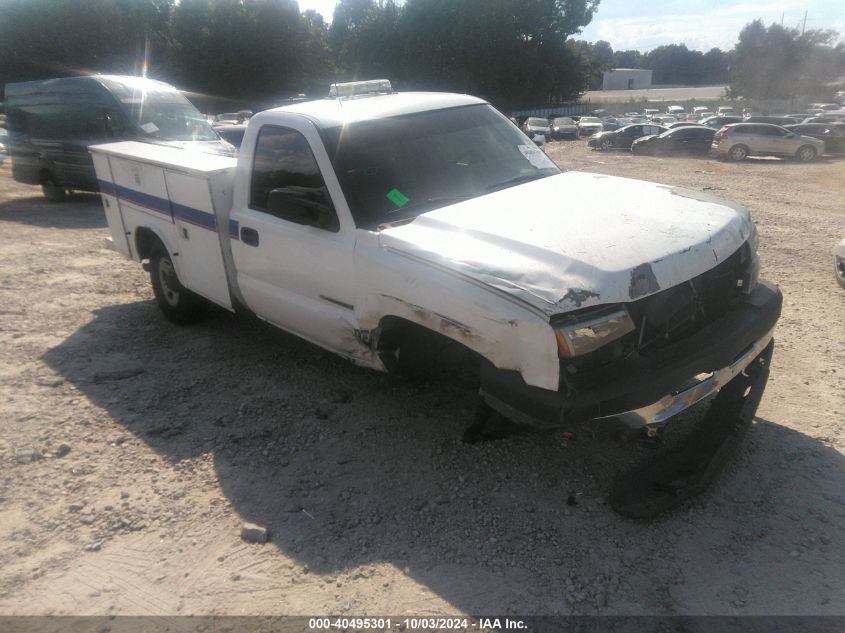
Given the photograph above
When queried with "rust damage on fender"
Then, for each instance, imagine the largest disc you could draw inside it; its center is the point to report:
(442, 323)
(643, 281)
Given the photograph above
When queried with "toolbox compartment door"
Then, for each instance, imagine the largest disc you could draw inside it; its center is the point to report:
(200, 257)
(117, 228)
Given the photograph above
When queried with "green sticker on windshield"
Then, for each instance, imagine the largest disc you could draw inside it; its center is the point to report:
(397, 197)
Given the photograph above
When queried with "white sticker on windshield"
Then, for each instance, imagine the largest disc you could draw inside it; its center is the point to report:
(536, 156)
(150, 128)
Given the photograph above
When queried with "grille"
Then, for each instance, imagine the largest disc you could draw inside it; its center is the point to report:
(675, 313)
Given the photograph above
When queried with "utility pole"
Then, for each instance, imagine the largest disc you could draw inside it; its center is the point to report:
(804, 26)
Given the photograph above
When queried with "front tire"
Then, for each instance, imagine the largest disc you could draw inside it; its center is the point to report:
(606, 145)
(738, 153)
(51, 189)
(806, 153)
(177, 303)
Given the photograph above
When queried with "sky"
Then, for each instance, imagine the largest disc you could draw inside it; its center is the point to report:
(700, 24)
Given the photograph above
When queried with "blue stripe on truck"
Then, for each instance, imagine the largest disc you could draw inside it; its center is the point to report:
(187, 214)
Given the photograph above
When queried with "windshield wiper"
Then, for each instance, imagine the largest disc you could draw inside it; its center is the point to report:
(400, 215)
(513, 182)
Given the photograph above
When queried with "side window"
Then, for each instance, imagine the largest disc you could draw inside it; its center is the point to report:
(284, 160)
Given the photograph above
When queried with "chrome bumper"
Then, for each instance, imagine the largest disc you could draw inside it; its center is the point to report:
(654, 415)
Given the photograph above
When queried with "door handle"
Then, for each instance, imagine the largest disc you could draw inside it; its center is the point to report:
(249, 236)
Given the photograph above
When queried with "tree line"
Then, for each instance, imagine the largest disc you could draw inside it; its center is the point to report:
(672, 64)
(512, 52)
(515, 53)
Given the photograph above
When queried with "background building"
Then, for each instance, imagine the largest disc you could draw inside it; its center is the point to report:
(626, 79)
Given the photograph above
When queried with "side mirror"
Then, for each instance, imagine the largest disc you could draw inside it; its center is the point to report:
(303, 205)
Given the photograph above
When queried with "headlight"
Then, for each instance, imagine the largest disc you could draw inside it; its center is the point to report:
(594, 331)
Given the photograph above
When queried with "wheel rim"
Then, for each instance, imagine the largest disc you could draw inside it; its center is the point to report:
(738, 153)
(167, 279)
(806, 154)
(606, 145)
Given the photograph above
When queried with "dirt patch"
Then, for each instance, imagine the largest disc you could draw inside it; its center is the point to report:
(133, 451)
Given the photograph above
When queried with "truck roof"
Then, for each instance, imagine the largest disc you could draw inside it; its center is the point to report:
(327, 113)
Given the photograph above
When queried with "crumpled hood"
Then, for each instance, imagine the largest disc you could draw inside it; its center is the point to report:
(577, 239)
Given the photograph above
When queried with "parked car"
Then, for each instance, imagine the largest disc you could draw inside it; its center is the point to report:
(693, 140)
(564, 127)
(825, 106)
(740, 140)
(699, 109)
(233, 134)
(623, 137)
(4, 139)
(634, 114)
(832, 134)
(589, 125)
(664, 119)
(839, 263)
(726, 111)
(672, 126)
(774, 120)
(719, 121)
(52, 124)
(650, 112)
(830, 117)
(676, 111)
(610, 123)
(537, 129)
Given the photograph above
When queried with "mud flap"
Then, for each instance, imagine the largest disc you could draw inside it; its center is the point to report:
(666, 480)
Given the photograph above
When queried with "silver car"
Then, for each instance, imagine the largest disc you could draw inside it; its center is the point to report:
(740, 140)
(839, 263)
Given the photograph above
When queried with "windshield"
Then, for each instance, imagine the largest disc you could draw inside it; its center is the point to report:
(564, 121)
(534, 122)
(396, 168)
(590, 119)
(171, 122)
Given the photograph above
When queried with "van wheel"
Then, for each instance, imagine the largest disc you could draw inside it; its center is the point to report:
(51, 189)
(805, 153)
(178, 304)
(739, 152)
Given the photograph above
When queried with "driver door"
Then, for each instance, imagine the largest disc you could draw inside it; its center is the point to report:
(293, 270)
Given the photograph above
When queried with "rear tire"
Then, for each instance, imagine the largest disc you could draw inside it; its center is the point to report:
(738, 152)
(839, 272)
(806, 153)
(179, 305)
(51, 189)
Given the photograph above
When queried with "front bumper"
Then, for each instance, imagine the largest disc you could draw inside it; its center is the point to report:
(647, 391)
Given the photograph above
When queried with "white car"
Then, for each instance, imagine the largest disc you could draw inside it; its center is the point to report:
(4, 142)
(839, 263)
(589, 125)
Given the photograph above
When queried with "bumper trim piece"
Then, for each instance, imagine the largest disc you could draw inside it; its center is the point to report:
(657, 413)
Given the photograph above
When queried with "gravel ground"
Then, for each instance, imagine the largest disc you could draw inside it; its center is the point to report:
(133, 451)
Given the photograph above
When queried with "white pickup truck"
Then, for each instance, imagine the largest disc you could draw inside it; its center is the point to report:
(396, 229)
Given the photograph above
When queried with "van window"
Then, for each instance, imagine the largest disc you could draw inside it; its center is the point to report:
(69, 121)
